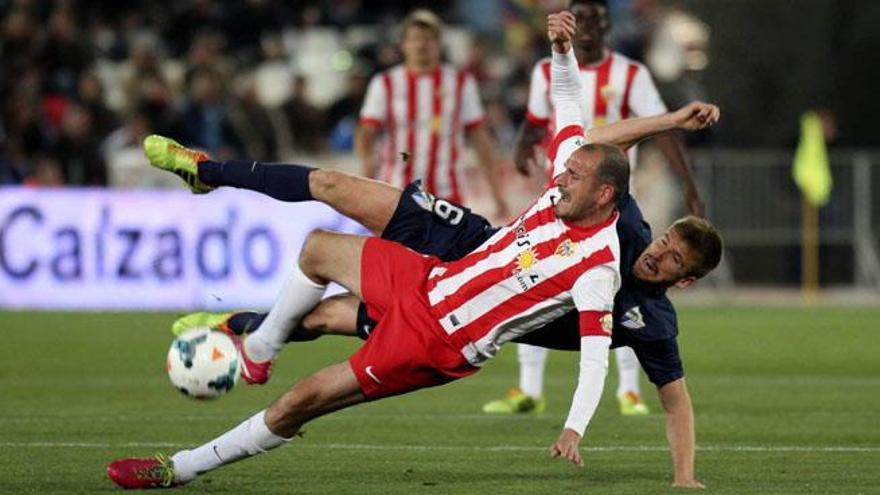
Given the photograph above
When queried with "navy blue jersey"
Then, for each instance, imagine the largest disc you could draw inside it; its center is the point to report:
(644, 318)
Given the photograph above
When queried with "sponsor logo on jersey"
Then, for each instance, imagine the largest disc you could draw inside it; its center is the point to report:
(525, 260)
(524, 263)
(633, 319)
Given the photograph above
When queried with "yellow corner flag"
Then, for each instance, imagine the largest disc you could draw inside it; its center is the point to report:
(810, 170)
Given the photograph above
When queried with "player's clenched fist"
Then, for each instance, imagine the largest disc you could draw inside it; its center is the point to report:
(561, 27)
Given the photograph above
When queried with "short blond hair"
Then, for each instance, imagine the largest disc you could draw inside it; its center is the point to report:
(704, 239)
(425, 19)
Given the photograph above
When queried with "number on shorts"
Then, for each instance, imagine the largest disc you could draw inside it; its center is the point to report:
(448, 211)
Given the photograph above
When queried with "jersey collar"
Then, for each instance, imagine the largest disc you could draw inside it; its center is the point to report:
(590, 230)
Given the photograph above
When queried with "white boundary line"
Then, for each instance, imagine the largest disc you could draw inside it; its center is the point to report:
(461, 448)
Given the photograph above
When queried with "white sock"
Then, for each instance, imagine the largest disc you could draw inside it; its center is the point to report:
(249, 438)
(627, 370)
(298, 296)
(531, 369)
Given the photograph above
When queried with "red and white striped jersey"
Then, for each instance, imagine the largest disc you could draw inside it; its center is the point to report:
(423, 116)
(529, 273)
(614, 89)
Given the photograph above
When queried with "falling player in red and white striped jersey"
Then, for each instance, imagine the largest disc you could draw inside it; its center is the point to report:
(440, 321)
(423, 109)
(615, 88)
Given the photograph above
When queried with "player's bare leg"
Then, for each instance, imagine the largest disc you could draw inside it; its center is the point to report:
(336, 315)
(334, 387)
(366, 201)
(333, 257)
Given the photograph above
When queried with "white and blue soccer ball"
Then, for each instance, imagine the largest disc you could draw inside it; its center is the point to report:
(203, 363)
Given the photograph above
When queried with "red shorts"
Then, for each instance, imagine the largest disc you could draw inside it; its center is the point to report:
(408, 349)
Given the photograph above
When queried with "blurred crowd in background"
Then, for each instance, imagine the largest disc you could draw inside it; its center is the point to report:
(84, 82)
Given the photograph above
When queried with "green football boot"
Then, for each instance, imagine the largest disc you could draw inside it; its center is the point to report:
(216, 321)
(516, 402)
(167, 154)
(631, 405)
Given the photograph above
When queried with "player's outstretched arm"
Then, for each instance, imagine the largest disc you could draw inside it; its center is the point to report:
(564, 83)
(680, 432)
(626, 133)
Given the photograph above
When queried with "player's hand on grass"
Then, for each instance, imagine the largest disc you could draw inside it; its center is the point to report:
(566, 447)
(696, 115)
(691, 483)
(561, 27)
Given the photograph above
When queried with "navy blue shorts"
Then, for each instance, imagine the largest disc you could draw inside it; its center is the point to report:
(434, 226)
(437, 227)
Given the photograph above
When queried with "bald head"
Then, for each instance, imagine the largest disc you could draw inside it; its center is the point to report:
(613, 167)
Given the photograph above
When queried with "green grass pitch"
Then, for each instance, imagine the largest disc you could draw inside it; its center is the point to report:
(787, 401)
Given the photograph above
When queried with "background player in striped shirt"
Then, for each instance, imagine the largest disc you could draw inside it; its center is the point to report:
(615, 88)
(418, 342)
(423, 109)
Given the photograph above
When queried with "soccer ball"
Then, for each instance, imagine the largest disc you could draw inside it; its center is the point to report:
(203, 363)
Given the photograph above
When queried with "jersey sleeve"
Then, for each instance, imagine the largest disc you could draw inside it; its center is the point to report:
(375, 107)
(593, 295)
(472, 113)
(564, 143)
(538, 109)
(591, 381)
(644, 99)
(565, 86)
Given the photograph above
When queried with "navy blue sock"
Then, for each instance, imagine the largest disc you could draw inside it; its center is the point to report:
(247, 322)
(285, 182)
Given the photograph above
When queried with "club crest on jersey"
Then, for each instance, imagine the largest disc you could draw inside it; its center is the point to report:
(607, 323)
(565, 248)
(633, 319)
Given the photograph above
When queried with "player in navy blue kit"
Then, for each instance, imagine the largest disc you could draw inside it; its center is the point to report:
(643, 317)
